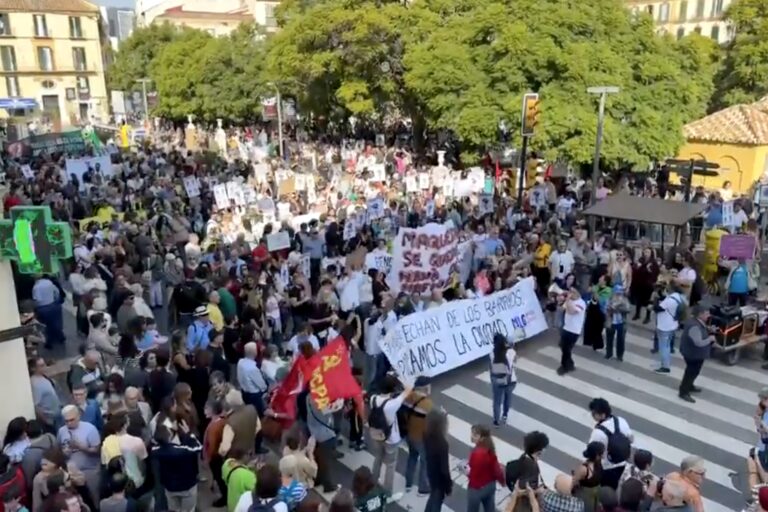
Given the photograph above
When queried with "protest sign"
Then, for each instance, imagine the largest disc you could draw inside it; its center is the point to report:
(738, 247)
(27, 171)
(485, 204)
(67, 142)
(235, 193)
(728, 220)
(278, 241)
(422, 257)
(330, 375)
(378, 173)
(307, 218)
(286, 186)
(423, 180)
(305, 266)
(266, 204)
(378, 260)
(300, 180)
(192, 186)
(375, 208)
(437, 340)
(350, 228)
(283, 211)
(449, 187)
(220, 196)
(79, 166)
(260, 172)
(381, 140)
(430, 209)
(311, 190)
(411, 184)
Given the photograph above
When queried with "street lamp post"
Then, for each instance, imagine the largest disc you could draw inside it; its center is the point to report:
(280, 123)
(603, 91)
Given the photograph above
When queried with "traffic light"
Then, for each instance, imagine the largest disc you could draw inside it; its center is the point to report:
(530, 114)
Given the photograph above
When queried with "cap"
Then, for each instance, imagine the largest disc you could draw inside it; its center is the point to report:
(201, 311)
(422, 381)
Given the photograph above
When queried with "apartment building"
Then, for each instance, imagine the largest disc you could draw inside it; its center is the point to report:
(682, 17)
(51, 61)
(219, 18)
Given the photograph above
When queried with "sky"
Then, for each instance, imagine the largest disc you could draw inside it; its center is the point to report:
(129, 4)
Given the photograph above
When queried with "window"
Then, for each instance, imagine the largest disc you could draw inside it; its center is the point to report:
(716, 33)
(680, 33)
(75, 27)
(664, 12)
(48, 84)
(717, 8)
(683, 10)
(41, 27)
(700, 9)
(45, 58)
(270, 19)
(697, 30)
(83, 84)
(650, 10)
(5, 24)
(8, 56)
(78, 57)
(12, 86)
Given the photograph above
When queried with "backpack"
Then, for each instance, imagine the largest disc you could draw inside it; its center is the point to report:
(619, 447)
(404, 415)
(681, 312)
(377, 420)
(264, 507)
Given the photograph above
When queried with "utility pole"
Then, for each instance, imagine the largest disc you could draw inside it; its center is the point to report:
(280, 123)
(603, 91)
(144, 82)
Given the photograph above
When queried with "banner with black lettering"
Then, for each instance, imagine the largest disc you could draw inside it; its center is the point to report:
(437, 340)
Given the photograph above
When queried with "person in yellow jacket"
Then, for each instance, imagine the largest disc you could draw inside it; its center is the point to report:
(125, 136)
(541, 251)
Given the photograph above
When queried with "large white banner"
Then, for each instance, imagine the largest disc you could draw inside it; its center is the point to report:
(423, 257)
(437, 340)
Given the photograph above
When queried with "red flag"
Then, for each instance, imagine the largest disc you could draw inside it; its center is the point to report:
(284, 397)
(330, 375)
(498, 172)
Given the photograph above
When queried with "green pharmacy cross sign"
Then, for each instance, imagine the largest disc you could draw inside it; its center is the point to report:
(34, 241)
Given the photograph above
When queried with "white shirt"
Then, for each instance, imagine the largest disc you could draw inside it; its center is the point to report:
(246, 500)
(599, 436)
(561, 263)
(665, 319)
(350, 292)
(293, 344)
(574, 322)
(565, 204)
(687, 274)
(390, 414)
(739, 219)
(373, 332)
(511, 355)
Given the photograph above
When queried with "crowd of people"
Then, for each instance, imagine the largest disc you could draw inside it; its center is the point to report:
(150, 412)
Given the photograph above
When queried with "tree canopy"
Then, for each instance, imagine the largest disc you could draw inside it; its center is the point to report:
(458, 65)
(744, 75)
(464, 66)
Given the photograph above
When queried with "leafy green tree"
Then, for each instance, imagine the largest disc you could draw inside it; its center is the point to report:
(132, 61)
(744, 75)
(472, 71)
(211, 77)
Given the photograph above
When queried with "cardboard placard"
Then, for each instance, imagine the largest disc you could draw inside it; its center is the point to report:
(278, 241)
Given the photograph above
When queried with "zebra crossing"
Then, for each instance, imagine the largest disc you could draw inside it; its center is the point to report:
(719, 427)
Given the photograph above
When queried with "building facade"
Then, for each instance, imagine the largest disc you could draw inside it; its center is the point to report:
(218, 18)
(682, 17)
(118, 23)
(51, 56)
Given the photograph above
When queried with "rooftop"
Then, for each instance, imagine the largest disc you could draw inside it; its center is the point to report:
(740, 124)
(51, 6)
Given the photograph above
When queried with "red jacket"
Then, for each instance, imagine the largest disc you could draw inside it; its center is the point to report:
(484, 468)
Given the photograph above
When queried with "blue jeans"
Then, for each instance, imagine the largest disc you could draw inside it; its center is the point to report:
(435, 501)
(416, 457)
(502, 397)
(619, 332)
(665, 347)
(656, 342)
(484, 496)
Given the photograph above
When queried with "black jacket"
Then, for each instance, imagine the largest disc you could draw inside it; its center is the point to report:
(178, 463)
(438, 471)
